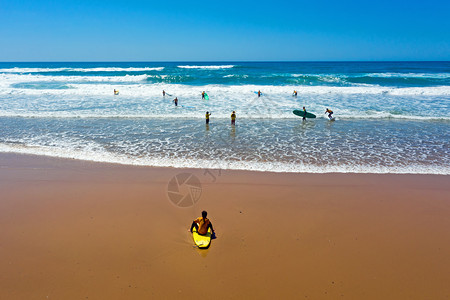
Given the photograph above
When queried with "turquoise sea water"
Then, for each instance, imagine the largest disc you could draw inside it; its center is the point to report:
(391, 117)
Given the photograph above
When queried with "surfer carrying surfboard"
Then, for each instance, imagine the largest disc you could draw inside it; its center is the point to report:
(202, 224)
(259, 94)
(175, 101)
(203, 95)
(304, 114)
(330, 113)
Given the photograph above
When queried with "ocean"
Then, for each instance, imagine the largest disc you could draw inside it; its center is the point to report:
(391, 117)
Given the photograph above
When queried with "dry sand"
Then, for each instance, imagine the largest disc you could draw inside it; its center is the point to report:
(81, 230)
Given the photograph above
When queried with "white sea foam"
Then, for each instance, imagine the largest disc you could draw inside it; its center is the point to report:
(142, 100)
(235, 76)
(408, 75)
(191, 112)
(99, 69)
(316, 75)
(6, 80)
(26, 78)
(207, 67)
(324, 76)
(93, 154)
(34, 95)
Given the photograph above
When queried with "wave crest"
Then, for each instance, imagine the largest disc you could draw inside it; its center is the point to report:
(207, 67)
(84, 70)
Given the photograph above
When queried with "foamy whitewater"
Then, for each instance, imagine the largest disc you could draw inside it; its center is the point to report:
(391, 117)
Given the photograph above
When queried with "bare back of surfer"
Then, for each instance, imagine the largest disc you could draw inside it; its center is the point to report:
(202, 224)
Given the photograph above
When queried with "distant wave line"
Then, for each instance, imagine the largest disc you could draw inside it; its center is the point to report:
(370, 75)
(208, 67)
(99, 69)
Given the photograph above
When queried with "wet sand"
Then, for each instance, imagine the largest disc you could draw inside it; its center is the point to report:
(81, 230)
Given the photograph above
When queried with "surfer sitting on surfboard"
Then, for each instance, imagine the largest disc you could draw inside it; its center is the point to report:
(330, 113)
(202, 224)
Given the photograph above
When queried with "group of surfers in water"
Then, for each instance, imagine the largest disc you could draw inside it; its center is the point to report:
(233, 114)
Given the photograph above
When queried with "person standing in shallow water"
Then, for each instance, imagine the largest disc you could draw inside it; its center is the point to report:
(207, 117)
(304, 111)
(175, 101)
(164, 93)
(233, 118)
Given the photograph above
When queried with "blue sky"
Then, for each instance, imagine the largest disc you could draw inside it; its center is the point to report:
(223, 30)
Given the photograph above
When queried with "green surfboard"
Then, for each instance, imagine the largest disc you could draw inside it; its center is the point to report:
(206, 96)
(301, 113)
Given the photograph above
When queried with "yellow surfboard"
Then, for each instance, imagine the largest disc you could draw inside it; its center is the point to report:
(202, 241)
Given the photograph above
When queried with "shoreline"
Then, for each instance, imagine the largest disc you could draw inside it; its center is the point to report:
(210, 165)
(77, 229)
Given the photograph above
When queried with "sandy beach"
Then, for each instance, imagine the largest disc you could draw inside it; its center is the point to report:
(80, 230)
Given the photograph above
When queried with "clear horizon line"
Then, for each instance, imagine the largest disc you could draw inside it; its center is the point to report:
(215, 61)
